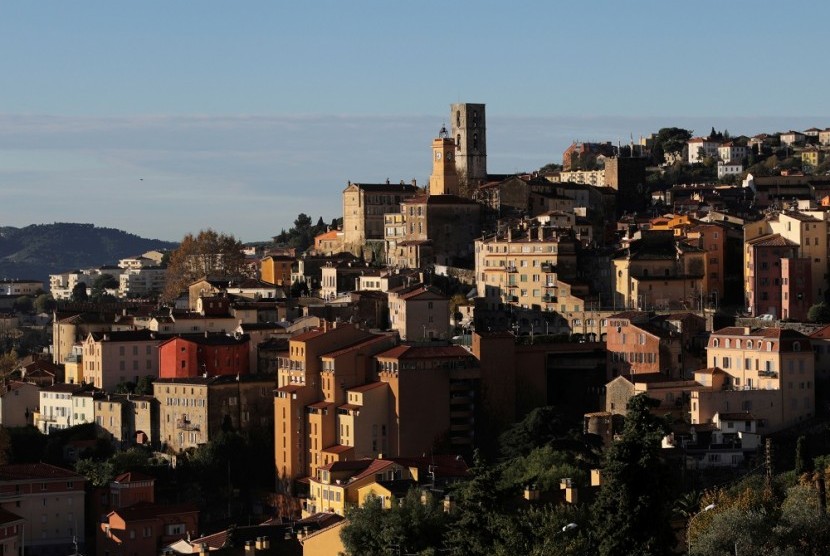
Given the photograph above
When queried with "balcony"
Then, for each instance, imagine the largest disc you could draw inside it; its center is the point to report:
(549, 298)
(768, 374)
(186, 425)
(511, 269)
(548, 267)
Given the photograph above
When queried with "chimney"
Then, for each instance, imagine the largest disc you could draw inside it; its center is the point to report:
(570, 490)
(250, 549)
(203, 549)
(414, 182)
(509, 233)
(531, 493)
(541, 233)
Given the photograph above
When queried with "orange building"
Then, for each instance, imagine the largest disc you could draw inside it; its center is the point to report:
(188, 356)
(276, 269)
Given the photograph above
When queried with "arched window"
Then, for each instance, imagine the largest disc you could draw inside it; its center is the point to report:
(716, 343)
(728, 343)
(749, 344)
(458, 141)
(458, 118)
(475, 140)
(769, 346)
(796, 346)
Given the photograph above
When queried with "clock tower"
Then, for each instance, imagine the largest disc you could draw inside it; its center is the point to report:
(444, 180)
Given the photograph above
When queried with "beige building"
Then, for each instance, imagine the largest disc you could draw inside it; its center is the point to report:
(193, 410)
(419, 313)
(808, 230)
(364, 206)
(657, 271)
(768, 372)
(526, 268)
(112, 358)
(50, 500)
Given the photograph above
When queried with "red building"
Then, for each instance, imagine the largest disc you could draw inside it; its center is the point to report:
(796, 282)
(189, 356)
(144, 528)
(763, 276)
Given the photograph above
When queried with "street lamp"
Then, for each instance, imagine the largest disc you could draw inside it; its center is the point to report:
(689, 525)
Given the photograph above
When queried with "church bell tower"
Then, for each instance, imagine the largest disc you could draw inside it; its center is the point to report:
(444, 180)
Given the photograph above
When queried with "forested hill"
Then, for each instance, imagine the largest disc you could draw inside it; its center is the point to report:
(36, 251)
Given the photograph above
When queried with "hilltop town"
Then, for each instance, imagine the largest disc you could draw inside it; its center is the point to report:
(670, 295)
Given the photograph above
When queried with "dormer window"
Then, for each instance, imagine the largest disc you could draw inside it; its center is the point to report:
(716, 343)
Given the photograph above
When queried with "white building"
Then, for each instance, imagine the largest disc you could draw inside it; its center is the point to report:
(731, 152)
(56, 407)
(700, 148)
(731, 168)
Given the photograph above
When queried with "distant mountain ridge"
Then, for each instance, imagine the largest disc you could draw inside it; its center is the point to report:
(36, 251)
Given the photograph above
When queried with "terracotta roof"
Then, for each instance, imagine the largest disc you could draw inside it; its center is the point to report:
(350, 406)
(132, 477)
(771, 240)
(7, 517)
(338, 449)
(374, 467)
(710, 371)
(360, 343)
(305, 336)
(405, 351)
(367, 387)
(143, 511)
(40, 471)
(321, 405)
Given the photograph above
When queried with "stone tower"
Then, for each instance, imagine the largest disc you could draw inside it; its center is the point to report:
(469, 130)
(444, 180)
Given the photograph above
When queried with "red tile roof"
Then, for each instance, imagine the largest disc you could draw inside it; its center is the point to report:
(367, 387)
(29, 471)
(143, 511)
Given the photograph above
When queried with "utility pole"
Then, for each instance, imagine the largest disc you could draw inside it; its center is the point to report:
(768, 462)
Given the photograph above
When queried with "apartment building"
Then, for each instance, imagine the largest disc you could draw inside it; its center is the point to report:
(808, 231)
(524, 267)
(276, 269)
(116, 357)
(658, 271)
(419, 313)
(204, 355)
(640, 343)
(50, 500)
(18, 403)
(56, 407)
(768, 372)
(20, 287)
(193, 410)
(300, 384)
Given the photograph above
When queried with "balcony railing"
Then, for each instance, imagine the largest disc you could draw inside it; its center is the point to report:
(186, 425)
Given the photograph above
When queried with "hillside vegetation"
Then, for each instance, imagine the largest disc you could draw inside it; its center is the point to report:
(36, 251)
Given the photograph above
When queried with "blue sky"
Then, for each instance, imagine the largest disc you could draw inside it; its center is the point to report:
(163, 118)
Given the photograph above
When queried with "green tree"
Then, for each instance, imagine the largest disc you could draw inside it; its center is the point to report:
(44, 303)
(411, 526)
(670, 140)
(79, 292)
(632, 510)
(208, 254)
(802, 456)
(23, 304)
(101, 284)
(820, 312)
(145, 385)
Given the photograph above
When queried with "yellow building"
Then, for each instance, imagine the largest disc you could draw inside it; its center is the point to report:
(808, 230)
(768, 372)
(657, 271)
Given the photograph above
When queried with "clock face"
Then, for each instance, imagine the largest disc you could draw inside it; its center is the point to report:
(438, 156)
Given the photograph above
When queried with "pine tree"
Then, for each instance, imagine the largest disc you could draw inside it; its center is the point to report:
(631, 513)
